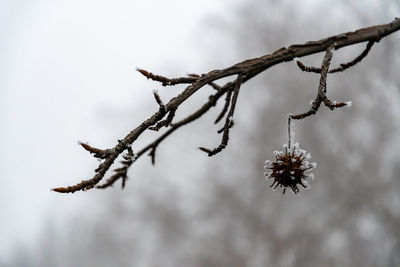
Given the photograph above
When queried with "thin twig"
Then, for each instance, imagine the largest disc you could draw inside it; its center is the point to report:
(166, 81)
(321, 96)
(358, 59)
(307, 68)
(246, 70)
(289, 131)
(225, 108)
(158, 100)
(228, 121)
(343, 66)
(98, 153)
(129, 158)
(212, 84)
(194, 116)
(165, 122)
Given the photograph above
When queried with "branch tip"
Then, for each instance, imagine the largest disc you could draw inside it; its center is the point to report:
(98, 153)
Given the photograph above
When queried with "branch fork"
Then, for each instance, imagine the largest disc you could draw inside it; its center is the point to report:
(321, 95)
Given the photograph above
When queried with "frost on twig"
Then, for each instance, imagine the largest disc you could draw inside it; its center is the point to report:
(120, 173)
(98, 153)
(158, 100)
(225, 108)
(228, 121)
(321, 93)
(291, 166)
(244, 71)
(343, 66)
(164, 80)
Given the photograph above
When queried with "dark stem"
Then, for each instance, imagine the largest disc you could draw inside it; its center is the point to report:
(289, 133)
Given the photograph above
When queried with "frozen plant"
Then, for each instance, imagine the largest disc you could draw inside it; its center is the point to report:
(290, 168)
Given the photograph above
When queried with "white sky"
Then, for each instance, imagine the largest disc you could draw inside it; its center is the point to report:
(66, 68)
(64, 65)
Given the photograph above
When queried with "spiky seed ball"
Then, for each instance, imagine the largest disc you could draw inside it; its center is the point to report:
(290, 168)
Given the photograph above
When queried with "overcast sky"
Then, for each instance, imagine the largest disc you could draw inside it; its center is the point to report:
(65, 68)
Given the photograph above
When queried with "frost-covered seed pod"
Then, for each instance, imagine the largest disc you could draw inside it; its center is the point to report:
(290, 169)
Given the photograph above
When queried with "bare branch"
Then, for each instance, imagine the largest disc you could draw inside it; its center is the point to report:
(129, 158)
(245, 70)
(358, 59)
(307, 68)
(165, 122)
(194, 116)
(212, 84)
(321, 96)
(228, 121)
(225, 108)
(158, 100)
(343, 66)
(98, 153)
(164, 80)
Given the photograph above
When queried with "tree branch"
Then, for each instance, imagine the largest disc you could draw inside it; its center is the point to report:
(245, 71)
(228, 121)
(343, 66)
